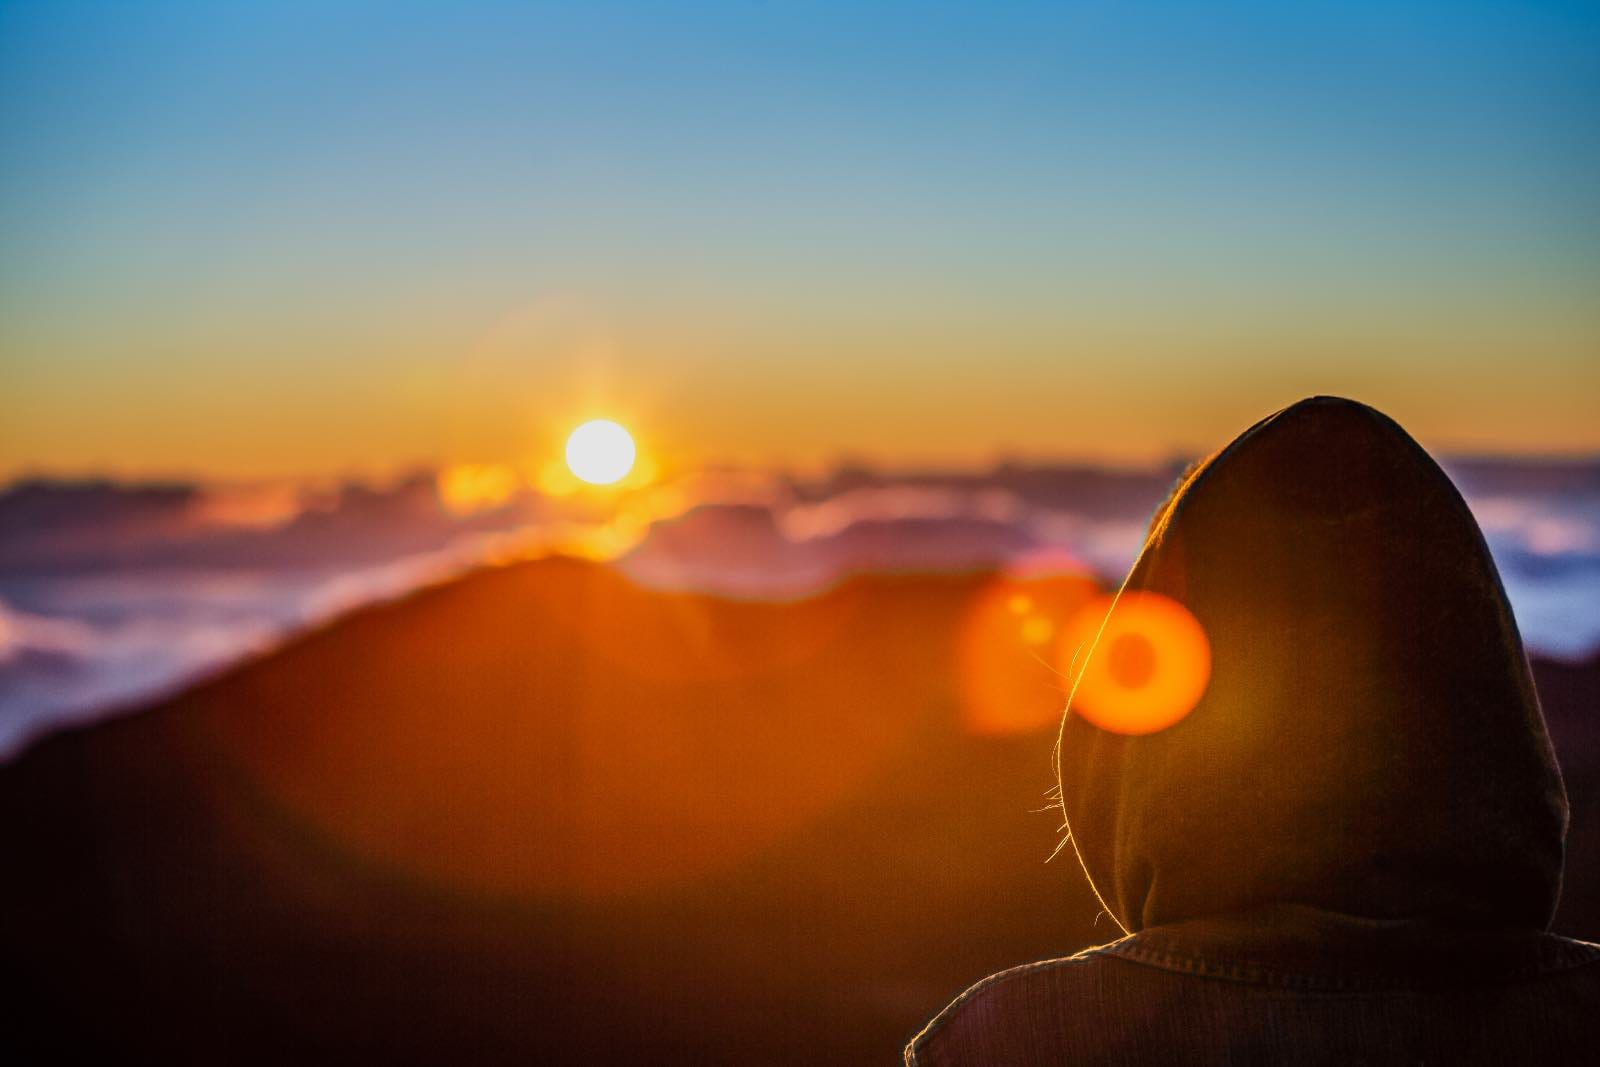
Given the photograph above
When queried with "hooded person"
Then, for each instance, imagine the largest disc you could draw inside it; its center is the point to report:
(1349, 848)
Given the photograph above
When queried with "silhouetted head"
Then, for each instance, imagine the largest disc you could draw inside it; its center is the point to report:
(1369, 741)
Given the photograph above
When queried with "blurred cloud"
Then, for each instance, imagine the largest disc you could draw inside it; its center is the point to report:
(1542, 522)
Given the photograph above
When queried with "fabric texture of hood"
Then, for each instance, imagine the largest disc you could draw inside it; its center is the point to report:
(1369, 742)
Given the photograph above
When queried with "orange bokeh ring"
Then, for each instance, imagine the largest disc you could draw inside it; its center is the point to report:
(1179, 670)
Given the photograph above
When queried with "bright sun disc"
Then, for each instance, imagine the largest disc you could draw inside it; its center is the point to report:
(600, 452)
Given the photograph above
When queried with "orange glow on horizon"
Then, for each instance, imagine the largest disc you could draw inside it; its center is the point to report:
(471, 487)
(615, 742)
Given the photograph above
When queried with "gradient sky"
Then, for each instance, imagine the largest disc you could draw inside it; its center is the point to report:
(302, 238)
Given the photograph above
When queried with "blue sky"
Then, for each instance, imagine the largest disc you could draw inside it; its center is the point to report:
(273, 237)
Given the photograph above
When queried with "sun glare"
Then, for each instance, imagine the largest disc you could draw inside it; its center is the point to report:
(600, 452)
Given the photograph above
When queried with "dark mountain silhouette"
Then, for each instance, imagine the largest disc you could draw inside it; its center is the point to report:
(539, 814)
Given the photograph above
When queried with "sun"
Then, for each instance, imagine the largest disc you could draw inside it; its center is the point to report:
(600, 452)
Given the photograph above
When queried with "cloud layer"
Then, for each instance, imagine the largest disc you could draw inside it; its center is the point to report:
(111, 594)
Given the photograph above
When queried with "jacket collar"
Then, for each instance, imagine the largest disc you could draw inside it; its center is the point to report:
(1298, 946)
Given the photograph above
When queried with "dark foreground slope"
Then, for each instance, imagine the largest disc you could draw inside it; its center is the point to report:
(539, 815)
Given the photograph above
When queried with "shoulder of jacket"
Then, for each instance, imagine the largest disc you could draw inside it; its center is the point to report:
(988, 986)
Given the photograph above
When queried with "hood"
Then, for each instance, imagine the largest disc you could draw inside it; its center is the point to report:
(1369, 742)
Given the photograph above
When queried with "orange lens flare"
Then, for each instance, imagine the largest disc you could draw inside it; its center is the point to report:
(1006, 652)
(1147, 665)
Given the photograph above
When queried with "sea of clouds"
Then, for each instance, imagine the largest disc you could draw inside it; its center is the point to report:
(113, 594)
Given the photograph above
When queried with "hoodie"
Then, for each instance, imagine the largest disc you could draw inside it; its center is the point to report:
(1363, 798)
(1369, 741)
